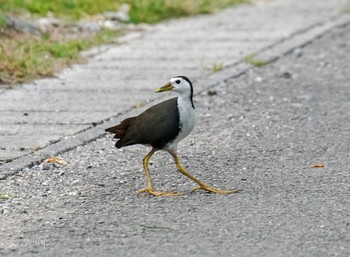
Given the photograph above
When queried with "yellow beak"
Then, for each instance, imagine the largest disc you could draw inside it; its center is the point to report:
(167, 87)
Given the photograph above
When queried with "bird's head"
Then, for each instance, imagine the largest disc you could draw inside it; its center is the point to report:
(180, 84)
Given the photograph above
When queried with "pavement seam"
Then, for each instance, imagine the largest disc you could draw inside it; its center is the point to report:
(269, 54)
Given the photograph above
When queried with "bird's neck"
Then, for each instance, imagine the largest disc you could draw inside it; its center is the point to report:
(187, 116)
(187, 98)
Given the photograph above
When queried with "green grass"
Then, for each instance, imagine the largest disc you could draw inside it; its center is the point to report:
(24, 58)
(157, 10)
(74, 9)
(28, 58)
(148, 11)
(346, 9)
(2, 21)
(218, 67)
(4, 196)
(256, 62)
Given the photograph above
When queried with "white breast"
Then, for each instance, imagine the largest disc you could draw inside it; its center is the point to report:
(187, 120)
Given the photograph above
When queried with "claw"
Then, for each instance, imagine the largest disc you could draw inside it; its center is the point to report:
(214, 190)
(155, 193)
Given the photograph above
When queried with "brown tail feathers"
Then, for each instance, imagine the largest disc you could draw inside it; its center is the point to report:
(120, 129)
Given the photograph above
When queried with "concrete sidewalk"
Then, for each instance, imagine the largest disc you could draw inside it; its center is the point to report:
(48, 114)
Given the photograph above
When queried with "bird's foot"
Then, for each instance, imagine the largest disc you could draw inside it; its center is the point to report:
(215, 190)
(155, 193)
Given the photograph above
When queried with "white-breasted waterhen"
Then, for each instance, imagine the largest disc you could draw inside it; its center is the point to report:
(162, 127)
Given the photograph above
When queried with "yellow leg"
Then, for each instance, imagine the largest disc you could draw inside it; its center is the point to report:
(201, 184)
(150, 188)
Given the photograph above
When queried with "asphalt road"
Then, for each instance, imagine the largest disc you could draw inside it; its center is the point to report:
(262, 132)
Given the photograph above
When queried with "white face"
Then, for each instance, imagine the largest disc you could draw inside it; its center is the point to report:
(180, 85)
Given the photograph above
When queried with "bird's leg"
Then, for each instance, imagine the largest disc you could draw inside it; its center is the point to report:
(148, 176)
(201, 184)
(150, 188)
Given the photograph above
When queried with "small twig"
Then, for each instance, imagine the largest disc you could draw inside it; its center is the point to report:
(154, 227)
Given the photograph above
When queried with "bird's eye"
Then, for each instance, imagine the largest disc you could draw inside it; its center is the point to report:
(177, 81)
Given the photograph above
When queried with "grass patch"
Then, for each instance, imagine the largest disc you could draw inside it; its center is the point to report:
(346, 9)
(24, 58)
(148, 11)
(2, 21)
(217, 67)
(256, 62)
(28, 58)
(73, 9)
(153, 11)
(5, 197)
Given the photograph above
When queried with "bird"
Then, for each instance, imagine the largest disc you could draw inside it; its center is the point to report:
(162, 127)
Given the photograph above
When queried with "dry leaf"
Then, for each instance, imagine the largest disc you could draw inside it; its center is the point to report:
(56, 160)
(318, 166)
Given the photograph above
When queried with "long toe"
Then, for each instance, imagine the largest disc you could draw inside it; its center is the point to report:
(215, 190)
(156, 193)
